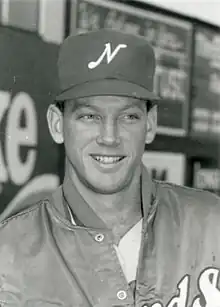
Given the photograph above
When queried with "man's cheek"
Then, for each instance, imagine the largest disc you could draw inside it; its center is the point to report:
(138, 141)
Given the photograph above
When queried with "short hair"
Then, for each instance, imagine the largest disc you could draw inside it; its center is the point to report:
(61, 105)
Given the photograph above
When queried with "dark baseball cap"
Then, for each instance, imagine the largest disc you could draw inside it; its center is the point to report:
(106, 62)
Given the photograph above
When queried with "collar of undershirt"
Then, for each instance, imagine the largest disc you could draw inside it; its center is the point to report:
(84, 215)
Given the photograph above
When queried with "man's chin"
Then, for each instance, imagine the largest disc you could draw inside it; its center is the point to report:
(112, 186)
(106, 190)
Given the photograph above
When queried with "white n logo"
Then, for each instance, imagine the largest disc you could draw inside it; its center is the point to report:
(109, 55)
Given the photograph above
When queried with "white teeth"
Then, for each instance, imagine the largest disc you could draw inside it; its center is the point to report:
(107, 160)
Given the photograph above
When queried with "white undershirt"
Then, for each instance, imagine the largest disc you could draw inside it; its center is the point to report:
(128, 251)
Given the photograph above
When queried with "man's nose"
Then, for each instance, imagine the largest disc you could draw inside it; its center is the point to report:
(108, 134)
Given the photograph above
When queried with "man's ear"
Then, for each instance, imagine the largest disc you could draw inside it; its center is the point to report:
(55, 123)
(151, 125)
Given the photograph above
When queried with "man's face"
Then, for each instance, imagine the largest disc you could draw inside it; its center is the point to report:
(104, 139)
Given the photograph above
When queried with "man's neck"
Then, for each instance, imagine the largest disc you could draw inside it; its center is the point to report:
(119, 211)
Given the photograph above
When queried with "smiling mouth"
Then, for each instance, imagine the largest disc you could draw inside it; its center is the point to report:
(107, 159)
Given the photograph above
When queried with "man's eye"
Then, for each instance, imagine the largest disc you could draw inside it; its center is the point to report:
(89, 117)
(131, 117)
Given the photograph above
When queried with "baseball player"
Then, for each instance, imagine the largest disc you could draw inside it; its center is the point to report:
(110, 236)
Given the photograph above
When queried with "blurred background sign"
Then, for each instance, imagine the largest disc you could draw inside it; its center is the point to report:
(206, 175)
(28, 83)
(165, 166)
(171, 39)
(206, 84)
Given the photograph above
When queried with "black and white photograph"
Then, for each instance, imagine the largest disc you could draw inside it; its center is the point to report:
(109, 153)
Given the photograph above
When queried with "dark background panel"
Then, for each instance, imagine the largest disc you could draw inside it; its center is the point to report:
(205, 81)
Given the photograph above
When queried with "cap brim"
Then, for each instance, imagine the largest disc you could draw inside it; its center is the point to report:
(107, 87)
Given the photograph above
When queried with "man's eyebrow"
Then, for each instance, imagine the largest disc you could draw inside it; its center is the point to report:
(134, 104)
(79, 105)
